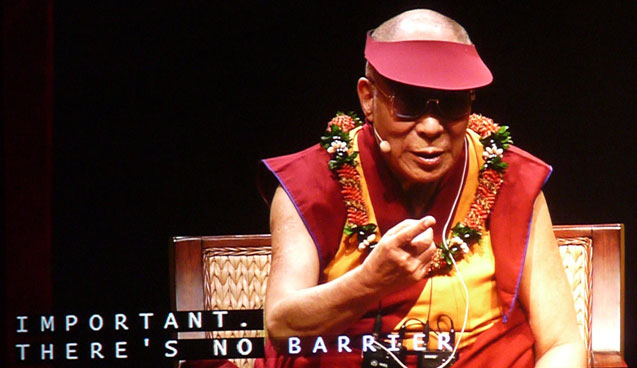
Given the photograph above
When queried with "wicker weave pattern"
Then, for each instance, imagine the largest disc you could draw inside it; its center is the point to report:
(577, 258)
(235, 278)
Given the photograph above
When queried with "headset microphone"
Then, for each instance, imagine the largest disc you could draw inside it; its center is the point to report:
(384, 145)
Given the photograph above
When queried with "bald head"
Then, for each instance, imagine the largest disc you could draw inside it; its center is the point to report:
(421, 24)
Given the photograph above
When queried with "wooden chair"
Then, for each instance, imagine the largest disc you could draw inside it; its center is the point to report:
(230, 272)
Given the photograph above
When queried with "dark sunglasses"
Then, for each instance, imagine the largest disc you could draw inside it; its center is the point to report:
(411, 103)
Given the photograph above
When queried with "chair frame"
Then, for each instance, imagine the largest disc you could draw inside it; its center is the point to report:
(607, 332)
(607, 328)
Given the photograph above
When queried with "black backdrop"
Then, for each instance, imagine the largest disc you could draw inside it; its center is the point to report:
(163, 110)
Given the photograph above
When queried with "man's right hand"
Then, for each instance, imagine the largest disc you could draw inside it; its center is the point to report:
(401, 257)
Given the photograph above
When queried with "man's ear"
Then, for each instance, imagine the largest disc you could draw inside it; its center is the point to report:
(366, 97)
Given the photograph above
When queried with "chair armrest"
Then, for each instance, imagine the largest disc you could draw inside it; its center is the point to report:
(608, 360)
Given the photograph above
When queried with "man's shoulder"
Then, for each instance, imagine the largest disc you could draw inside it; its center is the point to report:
(310, 163)
(518, 154)
(312, 155)
(525, 170)
(302, 174)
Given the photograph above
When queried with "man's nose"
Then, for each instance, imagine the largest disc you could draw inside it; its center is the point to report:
(430, 124)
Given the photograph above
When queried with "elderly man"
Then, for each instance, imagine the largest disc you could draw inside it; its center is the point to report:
(423, 228)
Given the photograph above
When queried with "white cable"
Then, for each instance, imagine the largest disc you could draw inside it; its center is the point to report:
(455, 202)
(444, 240)
(466, 315)
(391, 354)
(376, 134)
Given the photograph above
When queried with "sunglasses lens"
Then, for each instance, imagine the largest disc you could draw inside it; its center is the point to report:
(411, 103)
(455, 105)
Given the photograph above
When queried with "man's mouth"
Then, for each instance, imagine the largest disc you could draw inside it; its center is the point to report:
(429, 158)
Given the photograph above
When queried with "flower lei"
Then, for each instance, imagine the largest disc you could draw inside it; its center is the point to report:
(336, 140)
(495, 140)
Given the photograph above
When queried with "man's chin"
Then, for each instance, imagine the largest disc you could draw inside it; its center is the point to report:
(422, 179)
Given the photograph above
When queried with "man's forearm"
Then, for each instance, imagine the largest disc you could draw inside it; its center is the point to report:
(326, 309)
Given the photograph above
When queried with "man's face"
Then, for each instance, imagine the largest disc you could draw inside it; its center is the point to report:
(423, 148)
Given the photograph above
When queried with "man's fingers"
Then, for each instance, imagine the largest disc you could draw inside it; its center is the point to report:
(427, 254)
(411, 230)
(423, 239)
(400, 226)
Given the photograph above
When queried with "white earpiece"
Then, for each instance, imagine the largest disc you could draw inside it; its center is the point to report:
(384, 145)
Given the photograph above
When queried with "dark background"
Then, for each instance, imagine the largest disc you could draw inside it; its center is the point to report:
(162, 111)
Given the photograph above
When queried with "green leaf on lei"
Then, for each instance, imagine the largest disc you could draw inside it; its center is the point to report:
(496, 164)
(467, 234)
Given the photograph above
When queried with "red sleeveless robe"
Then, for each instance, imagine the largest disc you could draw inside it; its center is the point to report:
(316, 194)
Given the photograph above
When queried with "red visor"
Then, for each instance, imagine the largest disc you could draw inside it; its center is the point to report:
(431, 64)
